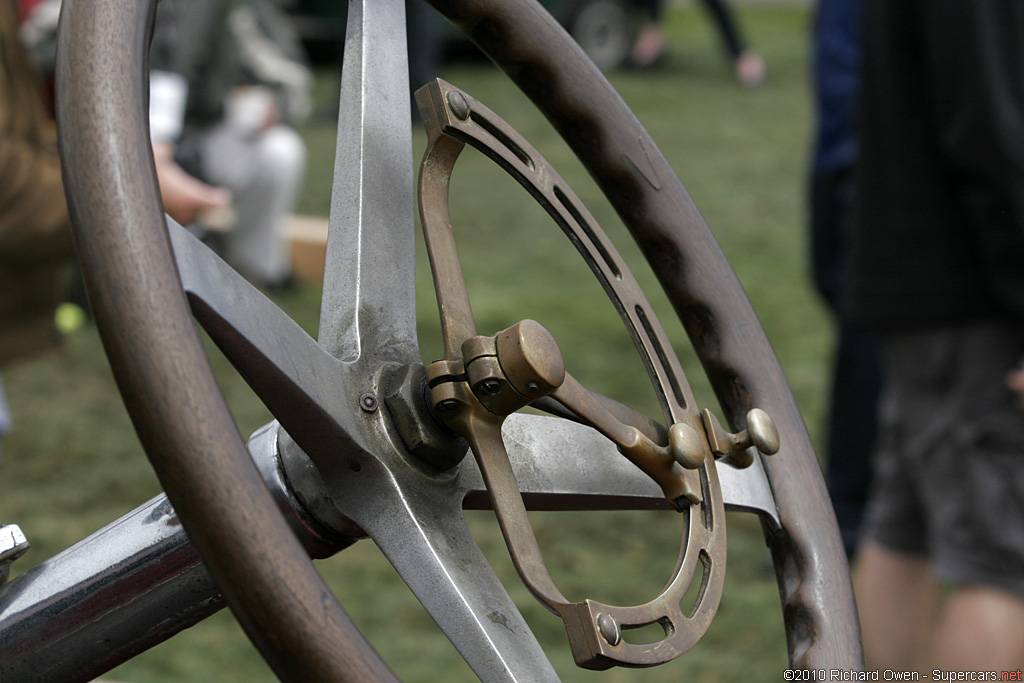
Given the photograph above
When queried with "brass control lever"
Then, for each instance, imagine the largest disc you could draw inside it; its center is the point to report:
(732, 448)
(482, 380)
(523, 363)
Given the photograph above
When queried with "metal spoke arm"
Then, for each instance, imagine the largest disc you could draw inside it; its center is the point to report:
(432, 549)
(311, 393)
(114, 594)
(562, 465)
(368, 309)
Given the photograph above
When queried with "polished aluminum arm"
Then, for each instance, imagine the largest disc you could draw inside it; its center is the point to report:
(127, 587)
(105, 599)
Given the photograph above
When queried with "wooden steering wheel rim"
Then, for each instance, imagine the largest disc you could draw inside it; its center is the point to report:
(813, 574)
(190, 436)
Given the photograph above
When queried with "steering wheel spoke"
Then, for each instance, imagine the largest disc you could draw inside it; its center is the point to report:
(308, 391)
(368, 309)
(418, 525)
(563, 465)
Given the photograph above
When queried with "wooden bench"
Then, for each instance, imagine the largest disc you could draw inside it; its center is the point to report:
(307, 237)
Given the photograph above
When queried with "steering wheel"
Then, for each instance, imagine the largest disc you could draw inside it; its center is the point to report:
(367, 437)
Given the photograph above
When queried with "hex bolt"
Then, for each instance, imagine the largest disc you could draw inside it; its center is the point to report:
(419, 423)
(609, 628)
(489, 387)
(368, 402)
(458, 104)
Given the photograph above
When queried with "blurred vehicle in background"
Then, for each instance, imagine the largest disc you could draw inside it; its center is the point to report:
(604, 28)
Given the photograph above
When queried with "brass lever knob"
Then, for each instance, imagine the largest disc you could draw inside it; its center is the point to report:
(686, 446)
(530, 358)
(760, 432)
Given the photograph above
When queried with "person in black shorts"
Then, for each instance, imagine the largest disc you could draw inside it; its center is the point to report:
(937, 267)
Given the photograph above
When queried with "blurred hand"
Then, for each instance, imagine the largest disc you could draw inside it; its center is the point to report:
(184, 196)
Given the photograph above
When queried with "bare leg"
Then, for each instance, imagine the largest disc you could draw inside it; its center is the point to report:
(650, 41)
(981, 629)
(897, 597)
(649, 46)
(748, 65)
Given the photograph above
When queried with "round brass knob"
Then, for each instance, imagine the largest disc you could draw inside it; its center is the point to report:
(686, 446)
(763, 433)
(530, 358)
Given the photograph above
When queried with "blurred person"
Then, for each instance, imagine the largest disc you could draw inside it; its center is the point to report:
(35, 232)
(227, 77)
(856, 368)
(649, 46)
(938, 248)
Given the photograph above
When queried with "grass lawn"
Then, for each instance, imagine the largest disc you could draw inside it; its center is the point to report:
(73, 463)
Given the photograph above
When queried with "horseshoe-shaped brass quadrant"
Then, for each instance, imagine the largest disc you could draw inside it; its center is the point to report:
(481, 380)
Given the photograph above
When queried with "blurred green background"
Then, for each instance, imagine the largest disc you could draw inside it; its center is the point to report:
(73, 463)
